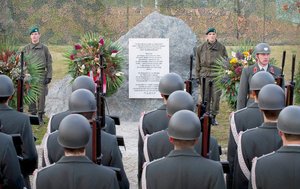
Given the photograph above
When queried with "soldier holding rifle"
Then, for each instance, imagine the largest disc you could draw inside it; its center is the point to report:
(14, 122)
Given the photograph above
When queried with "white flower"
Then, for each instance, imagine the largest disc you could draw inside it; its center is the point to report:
(233, 54)
(113, 55)
(119, 74)
(228, 72)
(82, 68)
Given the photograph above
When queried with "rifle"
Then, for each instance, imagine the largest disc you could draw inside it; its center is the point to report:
(20, 92)
(201, 108)
(279, 79)
(188, 83)
(290, 87)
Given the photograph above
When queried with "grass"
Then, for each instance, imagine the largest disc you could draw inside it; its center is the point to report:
(60, 68)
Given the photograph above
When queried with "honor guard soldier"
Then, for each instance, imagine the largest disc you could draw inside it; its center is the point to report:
(183, 167)
(83, 102)
(262, 53)
(10, 172)
(246, 118)
(40, 53)
(157, 120)
(75, 170)
(81, 82)
(14, 122)
(157, 145)
(281, 169)
(260, 140)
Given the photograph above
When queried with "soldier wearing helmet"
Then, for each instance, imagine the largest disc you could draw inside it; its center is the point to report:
(74, 168)
(183, 167)
(157, 120)
(157, 145)
(262, 53)
(260, 140)
(81, 82)
(246, 118)
(278, 166)
(14, 122)
(82, 101)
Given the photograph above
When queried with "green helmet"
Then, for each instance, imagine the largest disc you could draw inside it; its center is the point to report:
(289, 120)
(82, 100)
(262, 48)
(260, 79)
(271, 97)
(6, 87)
(179, 100)
(169, 83)
(184, 125)
(83, 82)
(74, 131)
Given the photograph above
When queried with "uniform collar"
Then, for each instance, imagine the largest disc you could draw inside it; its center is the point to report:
(5, 107)
(269, 125)
(68, 159)
(35, 46)
(163, 107)
(253, 105)
(289, 149)
(184, 152)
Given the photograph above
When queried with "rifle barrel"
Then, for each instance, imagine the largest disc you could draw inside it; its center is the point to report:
(283, 62)
(293, 66)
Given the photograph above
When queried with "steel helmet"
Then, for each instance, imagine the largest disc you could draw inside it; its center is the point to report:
(83, 82)
(271, 97)
(260, 79)
(289, 120)
(179, 100)
(6, 87)
(82, 100)
(169, 83)
(262, 48)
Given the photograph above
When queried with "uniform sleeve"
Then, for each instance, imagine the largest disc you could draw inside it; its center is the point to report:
(48, 62)
(110, 126)
(10, 168)
(214, 149)
(198, 63)
(219, 181)
(243, 90)
(30, 162)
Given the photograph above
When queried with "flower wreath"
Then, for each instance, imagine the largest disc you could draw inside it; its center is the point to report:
(32, 72)
(83, 59)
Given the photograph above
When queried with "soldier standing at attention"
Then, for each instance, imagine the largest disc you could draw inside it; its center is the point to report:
(281, 169)
(75, 170)
(262, 53)
(246, 118)
(206, 57)
(14, 122)
(260, 140)
(183, 168)
(158, 119)
(40, 53)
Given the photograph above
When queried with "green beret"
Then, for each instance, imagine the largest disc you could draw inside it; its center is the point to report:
(211, 30)
(34, 29)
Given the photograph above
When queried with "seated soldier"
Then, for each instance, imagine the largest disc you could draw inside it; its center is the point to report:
(183, 168)
(75, 169)
(157, 145)
(83, 102)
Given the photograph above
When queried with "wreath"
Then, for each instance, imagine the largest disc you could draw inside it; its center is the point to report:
(83, 59)
(32, 71)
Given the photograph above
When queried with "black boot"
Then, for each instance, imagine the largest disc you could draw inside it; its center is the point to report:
(40, 115)
(214, 121)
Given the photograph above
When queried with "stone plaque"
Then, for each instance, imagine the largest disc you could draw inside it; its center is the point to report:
(148, 62)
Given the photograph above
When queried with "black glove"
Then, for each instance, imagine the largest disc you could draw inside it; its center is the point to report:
(47, 81)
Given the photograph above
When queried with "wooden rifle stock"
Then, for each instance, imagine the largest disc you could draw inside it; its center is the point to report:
(188, 83)
(290, 87)
(20, 91)
(279, 79)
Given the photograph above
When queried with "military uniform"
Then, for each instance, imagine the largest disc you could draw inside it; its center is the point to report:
(41, 54)
(277, 170)
(14, 122)
(246, 76)
(254, 143)
(9, 165)
(183, 169)
(241, 120)
(157, 145)
(55, 120)
(206, 57)
(109, 148)
(75, 172)
(150, 122)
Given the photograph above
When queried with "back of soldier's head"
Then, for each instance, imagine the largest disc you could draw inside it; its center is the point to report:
(6, 86)
(81, 101)
(271, 97)
(260, 79)
(83, 82)
(169, 83)
(74, 132)
(184, 125)
(179, 100)
(289, 120)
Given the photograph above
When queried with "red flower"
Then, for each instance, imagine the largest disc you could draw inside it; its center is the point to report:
(77, 46)
(72, 56)
(114, 51)
(238, 70)
(101, 42)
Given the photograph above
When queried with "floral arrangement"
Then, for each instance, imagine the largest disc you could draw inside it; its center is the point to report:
(229, 72)
(83, 59)
(32, 73)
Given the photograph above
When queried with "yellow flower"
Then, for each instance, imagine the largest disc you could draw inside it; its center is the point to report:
(233, 61)
(246, 53)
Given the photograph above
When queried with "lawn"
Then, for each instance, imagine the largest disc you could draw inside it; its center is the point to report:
(220, 132)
